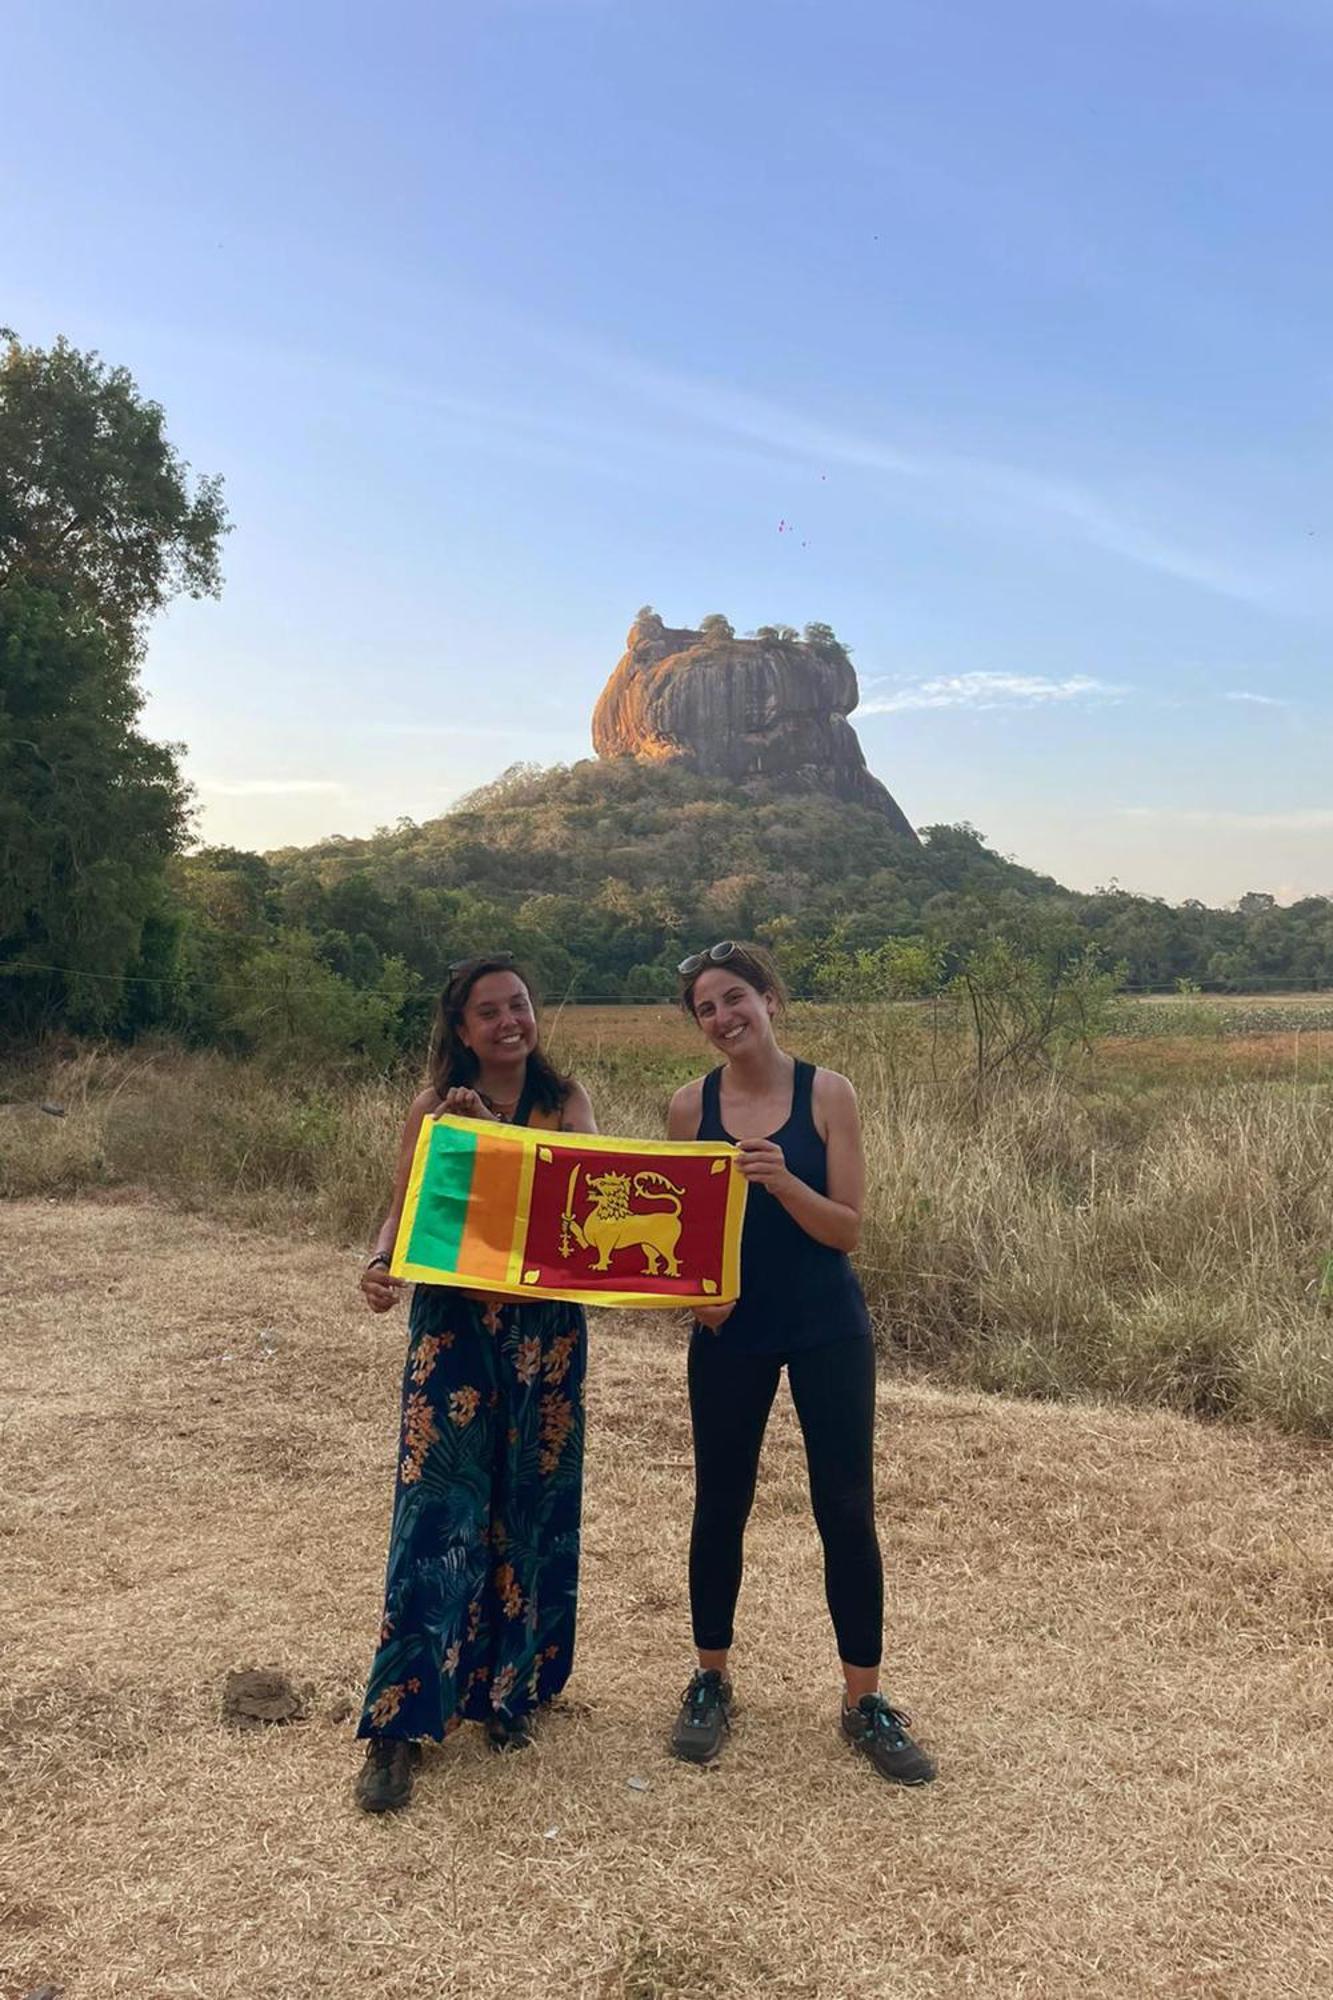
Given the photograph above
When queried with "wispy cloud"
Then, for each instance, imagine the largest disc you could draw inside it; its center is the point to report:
(959, 484)
(987, 691)
(1259, 700)
(969, 484)
(1306, 819)
(272, 788)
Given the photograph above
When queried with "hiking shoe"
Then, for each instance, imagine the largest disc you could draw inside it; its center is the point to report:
(881, 1732)
(384, 1782)
(509, 1732)
(704, 1719)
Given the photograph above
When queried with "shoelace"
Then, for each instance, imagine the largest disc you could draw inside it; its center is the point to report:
(890, 1722)
(700, 1696)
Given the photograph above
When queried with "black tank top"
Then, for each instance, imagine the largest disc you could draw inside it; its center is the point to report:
(794, 1292)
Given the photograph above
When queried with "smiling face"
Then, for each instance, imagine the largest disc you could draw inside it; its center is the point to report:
(498, 1023)
(731, 1013)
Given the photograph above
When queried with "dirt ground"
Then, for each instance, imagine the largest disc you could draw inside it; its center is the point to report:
(1113, 1628)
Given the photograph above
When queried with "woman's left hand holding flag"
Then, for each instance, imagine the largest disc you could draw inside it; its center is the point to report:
(463, 1103)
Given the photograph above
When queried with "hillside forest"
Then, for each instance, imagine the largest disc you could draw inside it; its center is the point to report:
(114, 921)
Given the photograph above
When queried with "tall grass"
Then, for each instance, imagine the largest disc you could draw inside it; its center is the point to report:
(1079, 1235)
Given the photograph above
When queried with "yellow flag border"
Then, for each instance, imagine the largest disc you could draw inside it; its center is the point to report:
(530, 1137)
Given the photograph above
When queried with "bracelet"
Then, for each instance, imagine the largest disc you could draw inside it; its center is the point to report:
(380, 1257)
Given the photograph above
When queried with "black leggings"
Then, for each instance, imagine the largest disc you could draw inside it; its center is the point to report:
(731, 1394)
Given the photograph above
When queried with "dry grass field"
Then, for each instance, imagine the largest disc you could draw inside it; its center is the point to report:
(1150, 1221)
(1112, 1626)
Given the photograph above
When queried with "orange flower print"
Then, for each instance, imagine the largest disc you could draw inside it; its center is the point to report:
(528, 1359)
(493, 1317)
(506, 1584)
(387, 1705)
(449, 1664)
(463, 1406)
(558, 1357)
(419, 1434)
(557, 1421)
(502, 1686)
(473, 1619)
(427, 1351)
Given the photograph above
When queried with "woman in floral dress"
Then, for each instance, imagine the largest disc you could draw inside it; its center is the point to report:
(482, 1580)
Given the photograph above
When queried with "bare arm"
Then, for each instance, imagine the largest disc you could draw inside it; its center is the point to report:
(833, 1218)
(578, 1112)
(685, 1111)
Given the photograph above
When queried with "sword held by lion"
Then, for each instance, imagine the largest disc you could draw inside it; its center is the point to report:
(611, 1225)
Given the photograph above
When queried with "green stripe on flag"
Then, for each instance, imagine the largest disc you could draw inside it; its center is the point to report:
(442, 1205)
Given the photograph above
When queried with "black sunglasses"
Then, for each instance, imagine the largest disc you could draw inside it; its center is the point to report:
(716, 954)
(496, 958)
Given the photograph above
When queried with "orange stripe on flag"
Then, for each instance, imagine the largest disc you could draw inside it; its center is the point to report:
(488, 1231)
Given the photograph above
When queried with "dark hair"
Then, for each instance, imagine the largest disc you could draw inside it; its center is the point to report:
(452, 1064)
(750, 962)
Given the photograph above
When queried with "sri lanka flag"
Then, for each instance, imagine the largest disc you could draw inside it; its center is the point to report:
(563, 1215)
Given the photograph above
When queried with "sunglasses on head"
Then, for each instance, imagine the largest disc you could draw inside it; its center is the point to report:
(498, 959)
(716, 954)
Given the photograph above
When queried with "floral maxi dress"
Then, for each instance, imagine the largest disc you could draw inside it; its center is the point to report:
(482, 1582)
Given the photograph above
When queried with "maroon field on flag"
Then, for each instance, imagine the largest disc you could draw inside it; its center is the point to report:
(530, 1213)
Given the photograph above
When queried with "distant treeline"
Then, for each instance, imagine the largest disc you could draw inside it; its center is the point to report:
(600, 876)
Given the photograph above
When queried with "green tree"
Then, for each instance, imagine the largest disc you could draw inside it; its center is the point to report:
(898, 969)
(98, 528)
(1026, 1011)
(90, 810)
(289, 1009)
(822, 638)
(95, 504)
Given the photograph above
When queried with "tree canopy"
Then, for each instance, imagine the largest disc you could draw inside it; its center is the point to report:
(95, 504)
(98, 528)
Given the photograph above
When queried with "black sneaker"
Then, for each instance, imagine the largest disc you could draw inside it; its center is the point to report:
(881, 1732)
(509, 1732)
(704, 1719)
(384, 1783)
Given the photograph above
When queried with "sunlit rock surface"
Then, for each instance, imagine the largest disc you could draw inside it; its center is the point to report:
(771, 707)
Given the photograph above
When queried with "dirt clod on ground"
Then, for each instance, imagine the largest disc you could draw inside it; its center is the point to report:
(258, 1695)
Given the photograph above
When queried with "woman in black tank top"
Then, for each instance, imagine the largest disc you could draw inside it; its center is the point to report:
(797, 1131)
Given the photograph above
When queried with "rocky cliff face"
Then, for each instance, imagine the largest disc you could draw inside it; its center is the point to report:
(772, 707)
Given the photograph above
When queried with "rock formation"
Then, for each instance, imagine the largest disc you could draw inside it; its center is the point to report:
(773, 707)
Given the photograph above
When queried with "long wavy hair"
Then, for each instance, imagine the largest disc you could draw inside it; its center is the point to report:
(452, 1064)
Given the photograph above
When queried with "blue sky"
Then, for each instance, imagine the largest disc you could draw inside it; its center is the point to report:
(502, 319)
